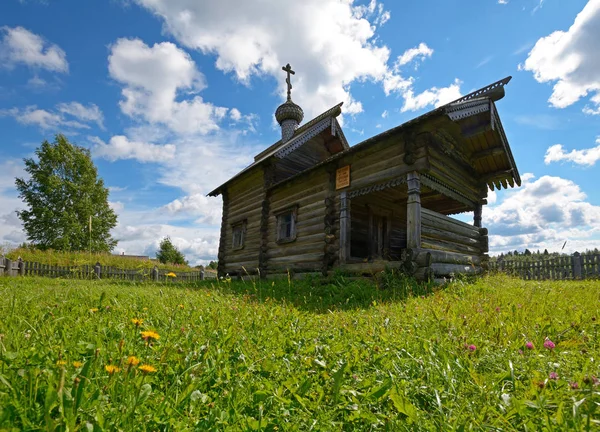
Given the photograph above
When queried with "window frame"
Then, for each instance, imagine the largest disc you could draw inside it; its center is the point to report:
(293, 211)
(241, 225)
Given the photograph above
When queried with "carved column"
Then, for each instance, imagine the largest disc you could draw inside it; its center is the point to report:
(268, 180)
(329, 253)
(344, 227)
(477, 215)
(413, 211)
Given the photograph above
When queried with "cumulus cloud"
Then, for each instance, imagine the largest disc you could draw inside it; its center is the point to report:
(70, 115)
(90, 113)
(395, 82)
(542, 214)
(120, 147)
(570, 59)
(20, 46)
(153, 78)
(586, 157)
(420, 52)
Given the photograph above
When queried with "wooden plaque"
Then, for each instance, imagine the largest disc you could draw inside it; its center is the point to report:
(342, 177)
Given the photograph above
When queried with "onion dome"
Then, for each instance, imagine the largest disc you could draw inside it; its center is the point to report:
(289, 111)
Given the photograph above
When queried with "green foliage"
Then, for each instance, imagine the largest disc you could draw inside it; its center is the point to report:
(168, 254)
(60, 258)
(213, 265)
(63, 194)
(308, 355)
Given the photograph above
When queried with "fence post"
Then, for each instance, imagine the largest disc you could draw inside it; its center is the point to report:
(2, 265)
(155, 274)
(202, 275)
(98, 270)
(21, 267)
(8, 267)
(576, 259)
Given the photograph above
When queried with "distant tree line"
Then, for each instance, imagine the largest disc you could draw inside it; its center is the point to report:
(538, 255)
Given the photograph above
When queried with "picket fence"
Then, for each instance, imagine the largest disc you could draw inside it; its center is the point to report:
(576, 266)
(25, 268)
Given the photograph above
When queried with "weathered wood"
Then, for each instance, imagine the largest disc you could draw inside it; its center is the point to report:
(440, 221)
(437, 256)
(344, 227)
(413, 211)
(491, 151)
(477, 215)
(428, 243)
(439, 234)
(445, 269)
(221, 257)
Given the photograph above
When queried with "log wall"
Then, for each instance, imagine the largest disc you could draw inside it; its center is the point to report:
(244, 202)
(449, 247)
(307, 252)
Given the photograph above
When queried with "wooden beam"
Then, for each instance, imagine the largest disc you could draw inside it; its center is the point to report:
(413, 211)
(477, 215)
(492, 151)
(344, 227)
(477, 130)
(495, 176)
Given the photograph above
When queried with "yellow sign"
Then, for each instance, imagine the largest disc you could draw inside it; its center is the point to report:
(342, 177)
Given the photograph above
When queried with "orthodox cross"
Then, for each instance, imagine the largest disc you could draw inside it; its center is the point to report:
(289, 71)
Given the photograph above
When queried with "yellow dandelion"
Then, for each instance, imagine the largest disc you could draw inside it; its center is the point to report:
(111, 369)
(171, 274)
(133, 361)
(147, 368)
(137, 321)
(181, 306)
(145, 309)
(93, 310)
(61, 363)
(150, 334)
(77, 364)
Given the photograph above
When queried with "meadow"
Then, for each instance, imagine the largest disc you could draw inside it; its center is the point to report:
(491, 354)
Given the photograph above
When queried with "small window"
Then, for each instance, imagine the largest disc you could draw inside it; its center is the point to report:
(238, 234)
(286, 226)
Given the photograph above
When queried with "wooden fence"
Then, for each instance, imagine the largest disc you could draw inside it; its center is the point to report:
(25, 268)
(576, 266)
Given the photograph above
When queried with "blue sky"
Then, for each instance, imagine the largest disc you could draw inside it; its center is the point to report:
(175, 96)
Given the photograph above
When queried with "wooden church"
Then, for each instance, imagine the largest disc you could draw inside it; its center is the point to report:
(310, 203)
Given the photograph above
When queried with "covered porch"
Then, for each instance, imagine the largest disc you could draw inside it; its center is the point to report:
(395, 225)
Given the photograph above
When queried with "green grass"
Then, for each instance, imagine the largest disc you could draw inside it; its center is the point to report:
(52, 257)
(344, 355)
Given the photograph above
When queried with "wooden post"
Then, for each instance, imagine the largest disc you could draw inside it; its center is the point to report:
(413, 211)
(477, 215)
(21, 267)
(223, 236)
(155, 274)
(98, 270)
(202, 275)
(344, 227)
(8, 267)
(576, 260)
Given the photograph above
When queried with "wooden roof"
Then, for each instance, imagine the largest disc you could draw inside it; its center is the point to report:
(481, 138)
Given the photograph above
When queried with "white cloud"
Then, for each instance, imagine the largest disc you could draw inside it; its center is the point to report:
(434, 96)
(542, 214)
(206, 210)
(587, 157)
(120, 147)
(502, 2)
(422, 51)
(384, 114)
(20, 46)
(249, 39)
(47, 120)
(394, 82)
(570, 59)
(153, 78)
(58, 119)
(90, 113)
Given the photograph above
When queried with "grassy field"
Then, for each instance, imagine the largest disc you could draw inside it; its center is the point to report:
(496, 354)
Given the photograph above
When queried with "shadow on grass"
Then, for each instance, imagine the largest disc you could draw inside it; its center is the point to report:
(321, 295)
